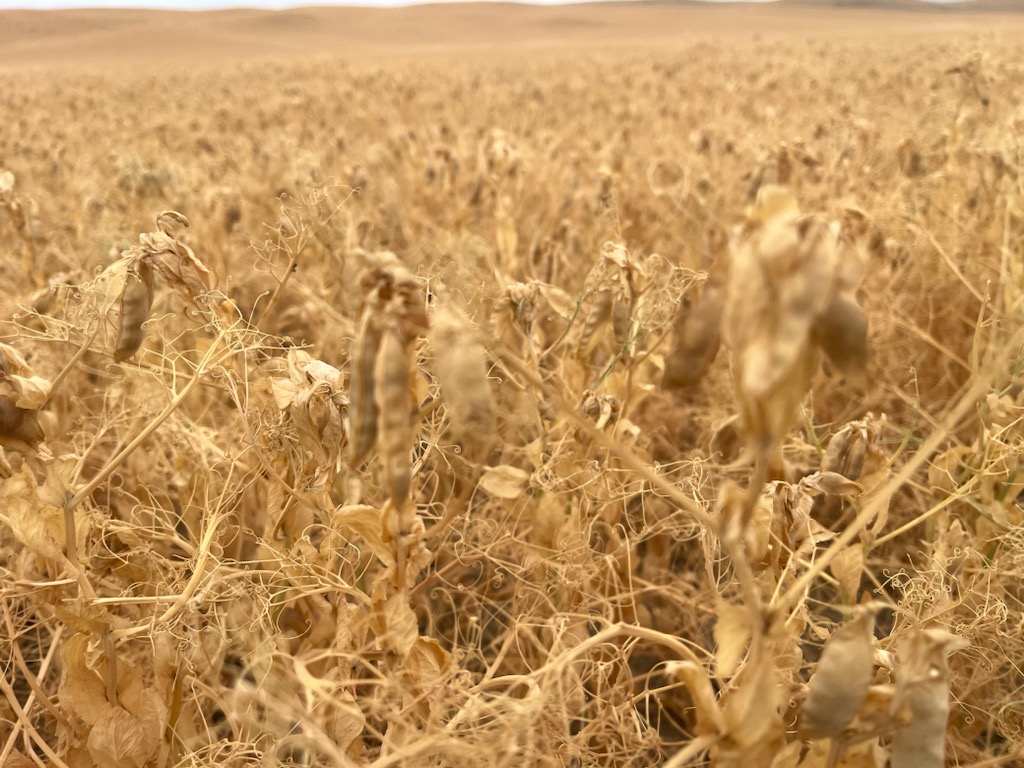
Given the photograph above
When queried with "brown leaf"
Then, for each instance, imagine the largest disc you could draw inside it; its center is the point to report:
(848, 568)
(367, 523)
(752, 709)
(695, 678)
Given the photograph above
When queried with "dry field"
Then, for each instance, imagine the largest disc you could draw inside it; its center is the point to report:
(497, 386)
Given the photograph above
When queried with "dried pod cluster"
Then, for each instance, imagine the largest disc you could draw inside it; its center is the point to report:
(784, 296)
(380, 378)
(163, 253)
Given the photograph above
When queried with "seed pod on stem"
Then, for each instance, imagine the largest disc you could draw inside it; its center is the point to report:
(841, 331)
(362, 386)
(136, 304)
(840, 683)
(922, 695)
(393, 394)
(461, 369)
(696, 337)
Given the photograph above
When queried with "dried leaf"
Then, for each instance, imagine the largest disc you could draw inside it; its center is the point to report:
(394, 622)
(504, 481)
(18, 424)
(752, 709)
(18, 383)
(561, 302)
(82, 689)
(40, 527)
(16, 759)
(123, 740)
(175, 261)
(34, 391)
(732, 635)
(848, 568)
(598, 316)
(367, 523)
(285, 392)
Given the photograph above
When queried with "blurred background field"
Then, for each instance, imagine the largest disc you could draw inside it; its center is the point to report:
(192, 546)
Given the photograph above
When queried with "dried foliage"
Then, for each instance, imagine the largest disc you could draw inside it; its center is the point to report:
(639, 409)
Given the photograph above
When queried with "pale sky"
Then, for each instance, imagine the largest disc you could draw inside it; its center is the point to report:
(193, 5)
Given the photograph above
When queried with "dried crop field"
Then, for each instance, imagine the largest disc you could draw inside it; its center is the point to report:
(620, 388)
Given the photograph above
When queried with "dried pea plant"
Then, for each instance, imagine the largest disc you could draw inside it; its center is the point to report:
(582, 418)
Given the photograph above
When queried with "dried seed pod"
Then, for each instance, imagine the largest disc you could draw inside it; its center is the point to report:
(842, 333)
(136, 303)
(840, 683)
(19, 424)
(395, 431)
(622, 324)
(696, 338)
(514, 314)
(781, 278)
(600, 313)
(461, 369)
(845, 453)
(46, 300)
(362, 385)
(922, 694)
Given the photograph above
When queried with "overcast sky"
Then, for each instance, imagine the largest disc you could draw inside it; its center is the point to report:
(191, 5)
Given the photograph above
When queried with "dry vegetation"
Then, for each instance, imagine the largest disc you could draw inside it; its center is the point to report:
(617, 407)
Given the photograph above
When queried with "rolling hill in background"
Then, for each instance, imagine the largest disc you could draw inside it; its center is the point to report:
(107, 37)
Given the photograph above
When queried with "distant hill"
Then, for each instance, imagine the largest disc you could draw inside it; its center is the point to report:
(152, 40)
(918, 6)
